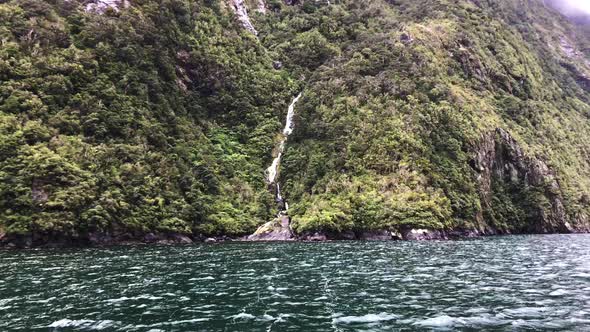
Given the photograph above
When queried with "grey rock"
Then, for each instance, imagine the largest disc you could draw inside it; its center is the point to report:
(241, 11)
(101, 6)
(150, 238)
(276, 230)
(406, 38)
(347, 236)
(261, 6)
(181, 238)
(499, 157)
(315, 237)
(382, 235)
(38, 193)
(411, 234)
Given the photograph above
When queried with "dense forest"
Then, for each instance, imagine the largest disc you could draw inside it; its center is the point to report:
(120, 120)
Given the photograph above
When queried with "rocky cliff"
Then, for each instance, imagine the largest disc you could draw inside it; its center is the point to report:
(508, 177)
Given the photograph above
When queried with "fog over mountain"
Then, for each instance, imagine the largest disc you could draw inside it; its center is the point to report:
(575, 8)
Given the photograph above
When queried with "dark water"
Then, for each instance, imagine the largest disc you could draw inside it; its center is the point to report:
(499, 284)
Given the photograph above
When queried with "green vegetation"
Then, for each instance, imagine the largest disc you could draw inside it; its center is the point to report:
(155, 118)
(388, 126)
(161, 117)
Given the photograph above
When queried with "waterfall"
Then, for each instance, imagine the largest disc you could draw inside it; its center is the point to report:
(273, 170)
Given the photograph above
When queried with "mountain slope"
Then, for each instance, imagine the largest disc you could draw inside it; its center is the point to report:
(154, 118)
(148, 119)
(436, 114)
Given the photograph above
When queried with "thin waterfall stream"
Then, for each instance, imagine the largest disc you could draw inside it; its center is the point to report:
(273, 170)
(278, 229)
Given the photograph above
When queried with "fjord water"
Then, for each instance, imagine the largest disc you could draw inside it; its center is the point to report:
(512, 283)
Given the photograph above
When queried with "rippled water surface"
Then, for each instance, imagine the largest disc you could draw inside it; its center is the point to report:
(514, 283)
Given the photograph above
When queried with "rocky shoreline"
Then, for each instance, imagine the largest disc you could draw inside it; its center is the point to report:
(95, 240)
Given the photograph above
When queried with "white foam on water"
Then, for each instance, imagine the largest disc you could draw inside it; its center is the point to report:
(70, 323)
(267, 317)
(440, 321)
(172, 323)
(559, 292)
(527, 311)
(243, 315)
(273, 259)
(83, 323)
(7, 300)
(45, 300)
(51, 268)
(103, 324)
(118, 300)
(202, 278)
(368, 318)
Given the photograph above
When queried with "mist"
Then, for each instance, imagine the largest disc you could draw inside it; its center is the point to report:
(572, 7)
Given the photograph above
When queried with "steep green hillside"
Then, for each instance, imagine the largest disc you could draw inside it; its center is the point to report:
(438, 114)
(161, 116)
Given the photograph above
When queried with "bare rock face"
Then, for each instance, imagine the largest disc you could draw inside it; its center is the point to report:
(579, 65)
(38, 192)
(261, 6)
(276, 230)
(100, 6)
(315, 237)
(241, 11)
(383, 235)
(527, 182)
(411, 234)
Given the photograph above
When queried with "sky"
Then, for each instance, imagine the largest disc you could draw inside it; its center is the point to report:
(570, 7)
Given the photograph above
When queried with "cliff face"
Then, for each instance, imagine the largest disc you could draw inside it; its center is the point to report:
(156, 120)
(509, 178)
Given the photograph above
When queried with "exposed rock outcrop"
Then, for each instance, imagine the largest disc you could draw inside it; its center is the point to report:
(100, 6)
(39, 194)
(241, 11)
(579, 65)
(276, 230)
(314, 237)
(509, 177)
(261, 6)
(383, 235)
(411, 234)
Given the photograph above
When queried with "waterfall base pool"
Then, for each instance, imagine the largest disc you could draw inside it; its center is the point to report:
(515, 283)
